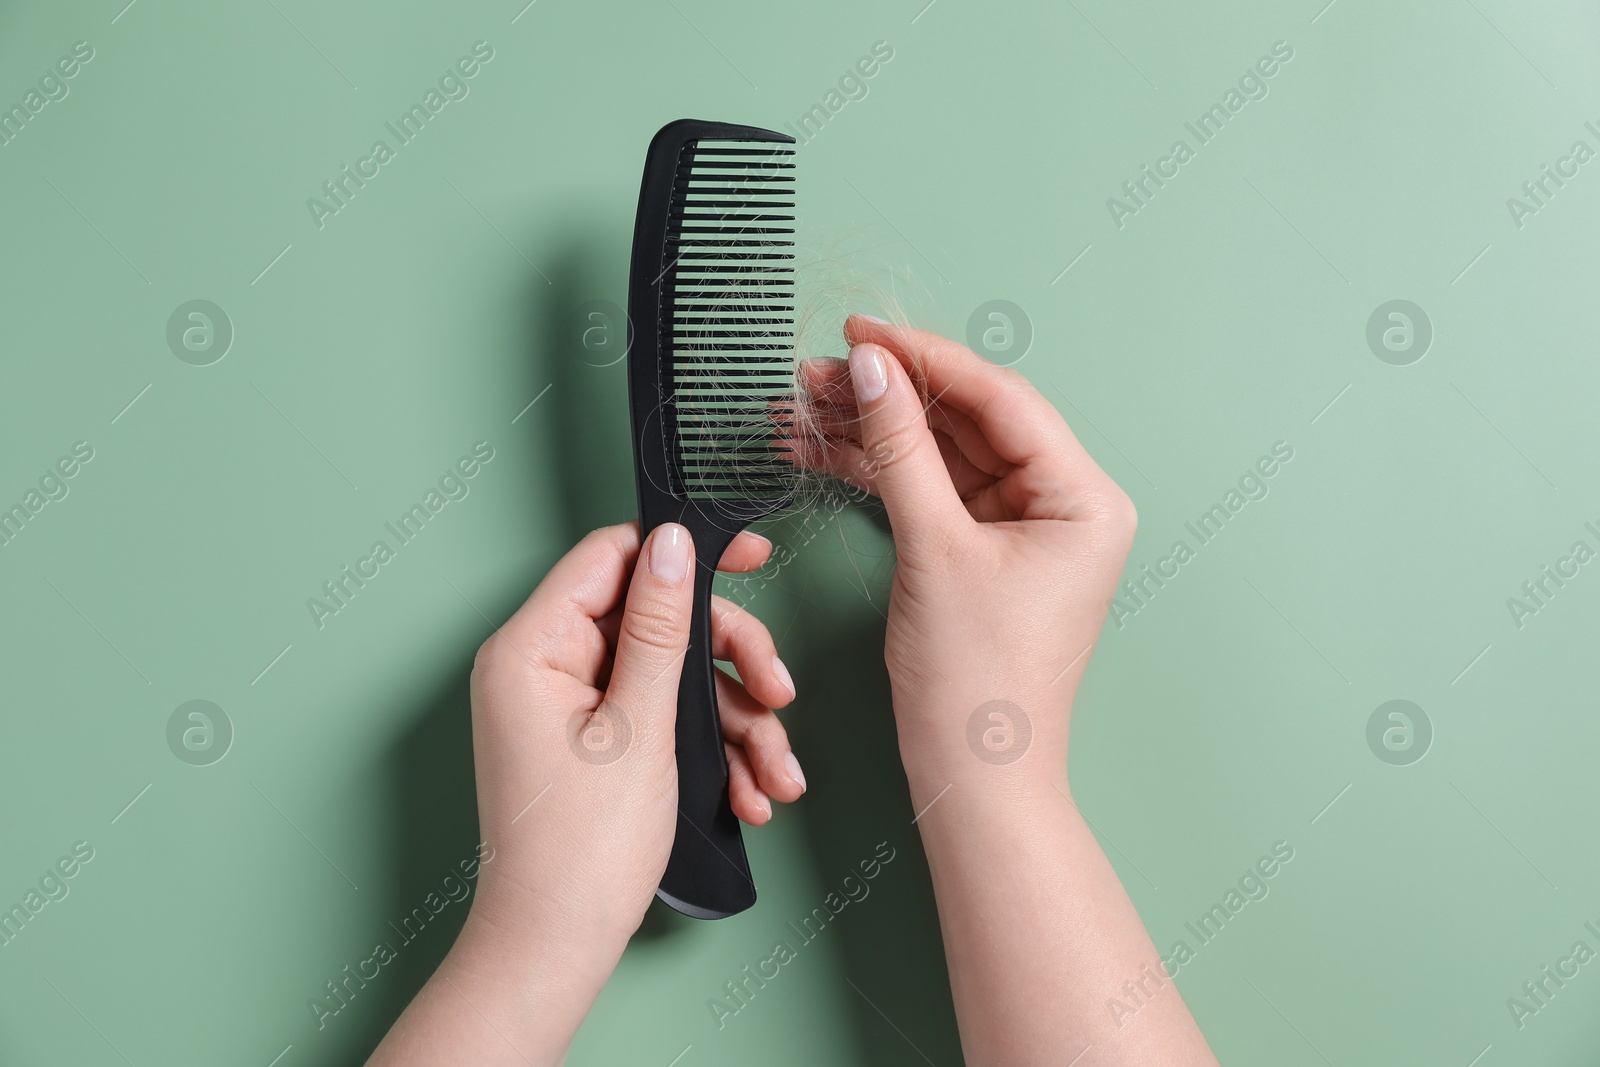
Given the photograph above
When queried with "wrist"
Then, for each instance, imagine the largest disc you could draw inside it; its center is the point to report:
(534, 983)
(535, 950)
(991, 742)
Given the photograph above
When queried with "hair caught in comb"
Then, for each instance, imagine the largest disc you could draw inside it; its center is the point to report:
(733, 326)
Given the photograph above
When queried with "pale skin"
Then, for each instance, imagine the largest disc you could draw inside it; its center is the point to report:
(1009, 542)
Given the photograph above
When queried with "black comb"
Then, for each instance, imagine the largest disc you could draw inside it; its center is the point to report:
(711, 388)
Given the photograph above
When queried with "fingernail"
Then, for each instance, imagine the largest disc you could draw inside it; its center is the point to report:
(783, 675)
(669, 553)
(867, 373)
(765, 541)
(793, 766)
(874, 318)
(766, 806)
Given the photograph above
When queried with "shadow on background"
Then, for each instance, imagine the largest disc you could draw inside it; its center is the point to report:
(858, 797)
(582, 322)
(581, 424)
(889, 942)
(429, 771)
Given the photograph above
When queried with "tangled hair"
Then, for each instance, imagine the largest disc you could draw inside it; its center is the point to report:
(830, 289)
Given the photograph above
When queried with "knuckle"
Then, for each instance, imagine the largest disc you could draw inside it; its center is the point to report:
(616, 541)
(1124, 513)
(893, 448)
(1116, 510)
(606, 533)
(1011, 380)
(486, 662)
(746, 633)
(767, 733)
(655, 623)
(729, 620)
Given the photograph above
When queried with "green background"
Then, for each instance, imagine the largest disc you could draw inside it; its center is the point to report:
(1223, 317)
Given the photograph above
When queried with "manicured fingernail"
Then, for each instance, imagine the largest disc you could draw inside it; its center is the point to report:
(669, 553)
(765, 805)
(867, 373)
(783, 675)
(874, 318)
(793, 766)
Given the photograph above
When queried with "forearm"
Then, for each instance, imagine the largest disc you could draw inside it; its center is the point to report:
(1039, 934)
(496, 999)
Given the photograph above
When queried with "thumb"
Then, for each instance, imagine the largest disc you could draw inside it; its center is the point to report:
(654, 634)
(901, 460)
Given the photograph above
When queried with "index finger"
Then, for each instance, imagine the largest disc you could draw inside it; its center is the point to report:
(587, 583)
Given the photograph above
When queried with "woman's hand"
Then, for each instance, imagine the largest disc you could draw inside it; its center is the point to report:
(1010, 541)
(574, 702)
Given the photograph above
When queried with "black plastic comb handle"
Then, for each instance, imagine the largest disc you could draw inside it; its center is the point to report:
(708, 874)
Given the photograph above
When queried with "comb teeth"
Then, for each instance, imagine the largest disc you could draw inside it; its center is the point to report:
(730, 236)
